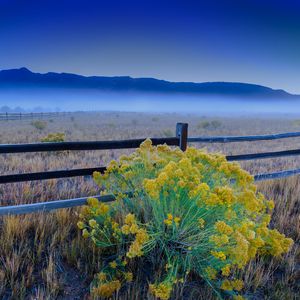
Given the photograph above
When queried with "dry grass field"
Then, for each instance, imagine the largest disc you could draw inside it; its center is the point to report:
(43, 256)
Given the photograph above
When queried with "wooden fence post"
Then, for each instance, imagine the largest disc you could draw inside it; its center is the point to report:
(182, 134)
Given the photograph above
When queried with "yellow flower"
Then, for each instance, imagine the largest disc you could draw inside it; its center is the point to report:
(147, 144)
(161, 290)
(151, 188)
(238, 297)
(142, 236)
(133, 228)
(115, 226)
(219, 240)
(129, 219)
(125, 229)
(92, 223)
(211, 273)
(168, 222)
(222, 227)
(85, 233)
(226, 270)
(80, 225)
(102, 276)
(220, 255)
(128, 276)
(102, 209)
(271, 204)
(94, 202)
(237, 284)
(226, 285)
(170, 219)
(177, 220)
(112, 166)
(113, 264)
(201, 223)
(106, 290)
(162, 178)
(135, 250)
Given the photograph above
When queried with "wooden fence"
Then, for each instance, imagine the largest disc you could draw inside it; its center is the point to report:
(6, 116)
(180, 139)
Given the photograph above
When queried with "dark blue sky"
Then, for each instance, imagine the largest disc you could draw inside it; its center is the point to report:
(189, 40)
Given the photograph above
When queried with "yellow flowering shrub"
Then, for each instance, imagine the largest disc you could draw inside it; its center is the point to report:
(191, 211)
(54, 137)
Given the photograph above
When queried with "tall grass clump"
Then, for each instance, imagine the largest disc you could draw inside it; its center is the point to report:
(179, 216)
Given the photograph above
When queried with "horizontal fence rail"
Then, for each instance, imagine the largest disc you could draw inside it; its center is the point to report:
(249, 138)
(19, 116)
(90, 145)
(276, 175)
(50, 205)
(263, 155)
(49, 175)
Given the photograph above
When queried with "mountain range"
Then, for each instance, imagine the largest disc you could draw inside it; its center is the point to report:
(24, 78)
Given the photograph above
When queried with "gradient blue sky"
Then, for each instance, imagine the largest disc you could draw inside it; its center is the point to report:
(189, 40)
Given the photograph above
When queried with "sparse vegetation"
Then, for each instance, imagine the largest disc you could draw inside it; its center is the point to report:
(168, 133)
(54, 137)
(44, 256)
(209, 125)
(40, 125)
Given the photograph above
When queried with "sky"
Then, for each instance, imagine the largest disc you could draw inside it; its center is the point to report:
(253, 41)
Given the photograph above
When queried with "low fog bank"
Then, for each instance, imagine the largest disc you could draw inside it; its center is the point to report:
(79, 100)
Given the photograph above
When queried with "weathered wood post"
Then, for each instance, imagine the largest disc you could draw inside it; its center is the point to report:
(182, 134)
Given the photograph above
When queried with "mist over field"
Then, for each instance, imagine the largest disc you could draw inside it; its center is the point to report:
(87, 100)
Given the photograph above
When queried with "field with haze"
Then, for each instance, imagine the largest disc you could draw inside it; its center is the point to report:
(43, 256)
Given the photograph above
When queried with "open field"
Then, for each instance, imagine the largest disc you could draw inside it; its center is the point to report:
(43, 256)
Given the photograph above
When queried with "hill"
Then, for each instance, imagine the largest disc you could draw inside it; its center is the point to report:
(24, 78)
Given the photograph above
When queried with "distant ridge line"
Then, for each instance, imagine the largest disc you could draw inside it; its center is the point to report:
(24, 78)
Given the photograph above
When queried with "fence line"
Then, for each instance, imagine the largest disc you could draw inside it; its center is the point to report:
(50, 205)
(263, 155)
(249, 138)
(49, 175)
(89, 171)
(276, 175)
(90, 145)
(181, 139)
(19, 116)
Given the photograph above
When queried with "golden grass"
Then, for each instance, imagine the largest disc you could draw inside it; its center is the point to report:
(42, 256)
